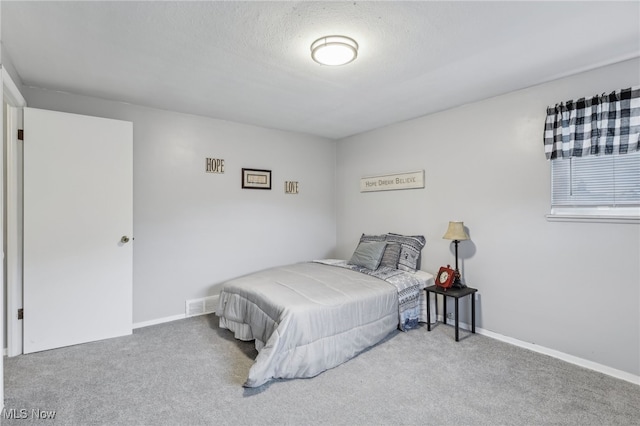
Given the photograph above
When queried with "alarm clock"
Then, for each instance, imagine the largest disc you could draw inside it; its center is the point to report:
(445, 277)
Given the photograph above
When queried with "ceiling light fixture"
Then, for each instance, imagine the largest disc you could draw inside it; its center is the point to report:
(334, 50)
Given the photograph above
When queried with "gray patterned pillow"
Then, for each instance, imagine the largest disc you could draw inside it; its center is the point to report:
(368, 254)
(391, 256)
(366, 237)
(410, 249)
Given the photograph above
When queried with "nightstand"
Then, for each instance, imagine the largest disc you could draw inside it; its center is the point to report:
(456, 293)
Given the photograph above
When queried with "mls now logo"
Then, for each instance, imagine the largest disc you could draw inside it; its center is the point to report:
(14, 414)
(23, 413)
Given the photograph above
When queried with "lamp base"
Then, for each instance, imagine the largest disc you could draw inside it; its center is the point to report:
(456, 282)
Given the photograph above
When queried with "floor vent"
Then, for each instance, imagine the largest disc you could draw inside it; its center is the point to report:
(205, 305)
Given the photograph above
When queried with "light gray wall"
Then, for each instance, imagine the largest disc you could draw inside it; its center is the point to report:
(193, 230)
(570, 287)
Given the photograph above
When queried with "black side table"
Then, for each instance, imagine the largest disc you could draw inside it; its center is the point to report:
(456, 293)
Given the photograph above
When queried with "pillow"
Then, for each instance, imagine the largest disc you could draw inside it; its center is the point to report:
(368, 254)
(410, 248)
(391, 256)
(365, 237)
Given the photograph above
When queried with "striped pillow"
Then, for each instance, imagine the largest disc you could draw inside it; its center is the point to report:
(391, 256)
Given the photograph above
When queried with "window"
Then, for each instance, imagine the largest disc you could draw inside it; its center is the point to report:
(594, 148)
(597, 186)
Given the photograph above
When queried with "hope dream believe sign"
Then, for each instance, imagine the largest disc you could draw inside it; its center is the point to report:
(392, 182)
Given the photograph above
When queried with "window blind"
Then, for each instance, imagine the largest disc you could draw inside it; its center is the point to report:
(596, 181)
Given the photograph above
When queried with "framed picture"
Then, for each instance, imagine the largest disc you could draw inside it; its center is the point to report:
(256, 179)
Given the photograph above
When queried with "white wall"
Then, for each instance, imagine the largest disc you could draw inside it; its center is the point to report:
(570, 287)
(194, 230)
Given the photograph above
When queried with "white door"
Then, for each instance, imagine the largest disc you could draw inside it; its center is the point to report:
(78, 204)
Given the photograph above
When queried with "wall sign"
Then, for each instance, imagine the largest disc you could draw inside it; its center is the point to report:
(214, 165)
(291, 187)
(410, 180)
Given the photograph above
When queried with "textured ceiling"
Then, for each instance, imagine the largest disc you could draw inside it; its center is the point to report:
(250, 62)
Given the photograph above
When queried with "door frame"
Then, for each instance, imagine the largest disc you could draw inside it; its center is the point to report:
(15, 102)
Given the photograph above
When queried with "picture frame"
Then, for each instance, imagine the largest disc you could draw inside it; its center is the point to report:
(256, 179)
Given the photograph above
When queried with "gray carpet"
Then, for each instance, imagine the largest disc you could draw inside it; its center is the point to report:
(190, 372)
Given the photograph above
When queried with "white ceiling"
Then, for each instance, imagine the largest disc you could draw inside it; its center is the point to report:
(250, 62)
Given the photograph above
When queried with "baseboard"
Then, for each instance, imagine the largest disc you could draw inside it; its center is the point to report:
(159, 321)
(166, 319)
(619, 374)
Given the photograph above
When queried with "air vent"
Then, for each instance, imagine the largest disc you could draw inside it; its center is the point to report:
(205, 305)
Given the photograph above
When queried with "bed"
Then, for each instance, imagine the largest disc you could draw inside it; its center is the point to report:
(308, 317)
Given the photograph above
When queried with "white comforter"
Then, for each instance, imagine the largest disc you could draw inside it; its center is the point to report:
(307, 317)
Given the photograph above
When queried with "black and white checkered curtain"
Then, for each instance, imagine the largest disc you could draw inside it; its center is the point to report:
(606, 124)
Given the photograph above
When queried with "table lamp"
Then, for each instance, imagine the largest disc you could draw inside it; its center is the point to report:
(456, 233)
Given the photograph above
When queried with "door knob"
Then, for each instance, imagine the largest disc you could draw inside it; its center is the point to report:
(124, 239)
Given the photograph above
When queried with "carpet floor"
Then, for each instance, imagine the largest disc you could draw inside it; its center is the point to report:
(190, 372)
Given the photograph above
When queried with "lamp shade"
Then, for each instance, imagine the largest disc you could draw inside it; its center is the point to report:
(456, 232)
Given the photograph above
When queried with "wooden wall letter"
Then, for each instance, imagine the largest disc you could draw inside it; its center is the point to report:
(290, 187)
(214, 165)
